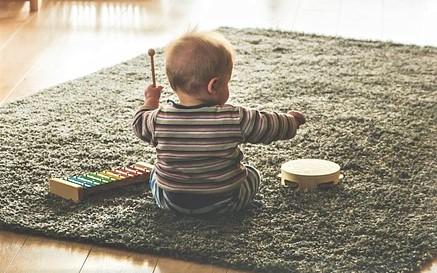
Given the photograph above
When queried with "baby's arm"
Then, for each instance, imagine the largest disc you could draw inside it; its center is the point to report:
(265, 127)
(143, 119)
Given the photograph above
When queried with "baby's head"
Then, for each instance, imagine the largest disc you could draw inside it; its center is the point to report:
(199, 67)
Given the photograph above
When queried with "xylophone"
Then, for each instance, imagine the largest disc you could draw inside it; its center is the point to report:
(76, 188)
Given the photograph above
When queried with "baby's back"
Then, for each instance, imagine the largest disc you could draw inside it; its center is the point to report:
(197, 148)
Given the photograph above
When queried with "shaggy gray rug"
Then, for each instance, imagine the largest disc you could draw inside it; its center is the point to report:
(371, 107)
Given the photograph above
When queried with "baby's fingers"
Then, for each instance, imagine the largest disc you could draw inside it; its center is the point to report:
(152, 91)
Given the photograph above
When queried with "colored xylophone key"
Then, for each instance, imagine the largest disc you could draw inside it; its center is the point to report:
(142, 167)
(100, 179)
(103, 176)
(131, 171)
(124, 174)
(88, 180)
(113, 175)
(96, 181)
(81, 181)
(93, 179)
(79, 186)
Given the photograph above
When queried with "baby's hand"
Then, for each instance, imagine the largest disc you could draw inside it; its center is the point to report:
(153, 92)
(152, 95)
(300, 118)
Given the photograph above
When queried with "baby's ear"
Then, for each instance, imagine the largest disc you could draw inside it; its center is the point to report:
(212, 85)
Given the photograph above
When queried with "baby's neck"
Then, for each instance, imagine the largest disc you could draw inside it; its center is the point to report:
(187, 100)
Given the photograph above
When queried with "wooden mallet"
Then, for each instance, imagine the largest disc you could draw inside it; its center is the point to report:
(152, 63)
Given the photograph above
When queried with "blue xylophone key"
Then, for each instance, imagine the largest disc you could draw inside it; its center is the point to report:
(74, 180)
(86, 181)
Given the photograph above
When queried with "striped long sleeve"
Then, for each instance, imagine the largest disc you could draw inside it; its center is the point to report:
(143, 124)
(197, 147)
(265, 127)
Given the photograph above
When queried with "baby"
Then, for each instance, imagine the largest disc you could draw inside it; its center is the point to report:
(198, 168)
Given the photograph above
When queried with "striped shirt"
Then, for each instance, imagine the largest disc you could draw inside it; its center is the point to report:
(197, 147)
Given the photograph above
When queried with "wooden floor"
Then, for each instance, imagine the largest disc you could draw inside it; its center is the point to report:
(68, 39)
(24, 253)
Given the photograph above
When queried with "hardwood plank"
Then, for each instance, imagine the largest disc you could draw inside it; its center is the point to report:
(430, 268)
(46, 255)
(21, 52)
(54, 66)
(170, 265)
(8, 28)
(10, 244)
(237, 271)
(53, 49)
(112, 260)
(17, 10)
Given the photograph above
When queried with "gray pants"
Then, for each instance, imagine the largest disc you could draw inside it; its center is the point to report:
(232, 203)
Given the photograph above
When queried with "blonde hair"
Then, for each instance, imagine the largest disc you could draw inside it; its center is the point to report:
(193, 59)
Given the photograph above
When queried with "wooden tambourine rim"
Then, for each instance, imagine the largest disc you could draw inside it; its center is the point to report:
(308, 181)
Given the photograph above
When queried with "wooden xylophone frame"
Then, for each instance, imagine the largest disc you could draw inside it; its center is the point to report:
(77, 188)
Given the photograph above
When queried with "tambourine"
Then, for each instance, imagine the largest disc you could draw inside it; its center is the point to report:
(309, 174)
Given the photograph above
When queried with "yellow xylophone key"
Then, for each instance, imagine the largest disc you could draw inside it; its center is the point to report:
(103, 176)
(113, 175)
